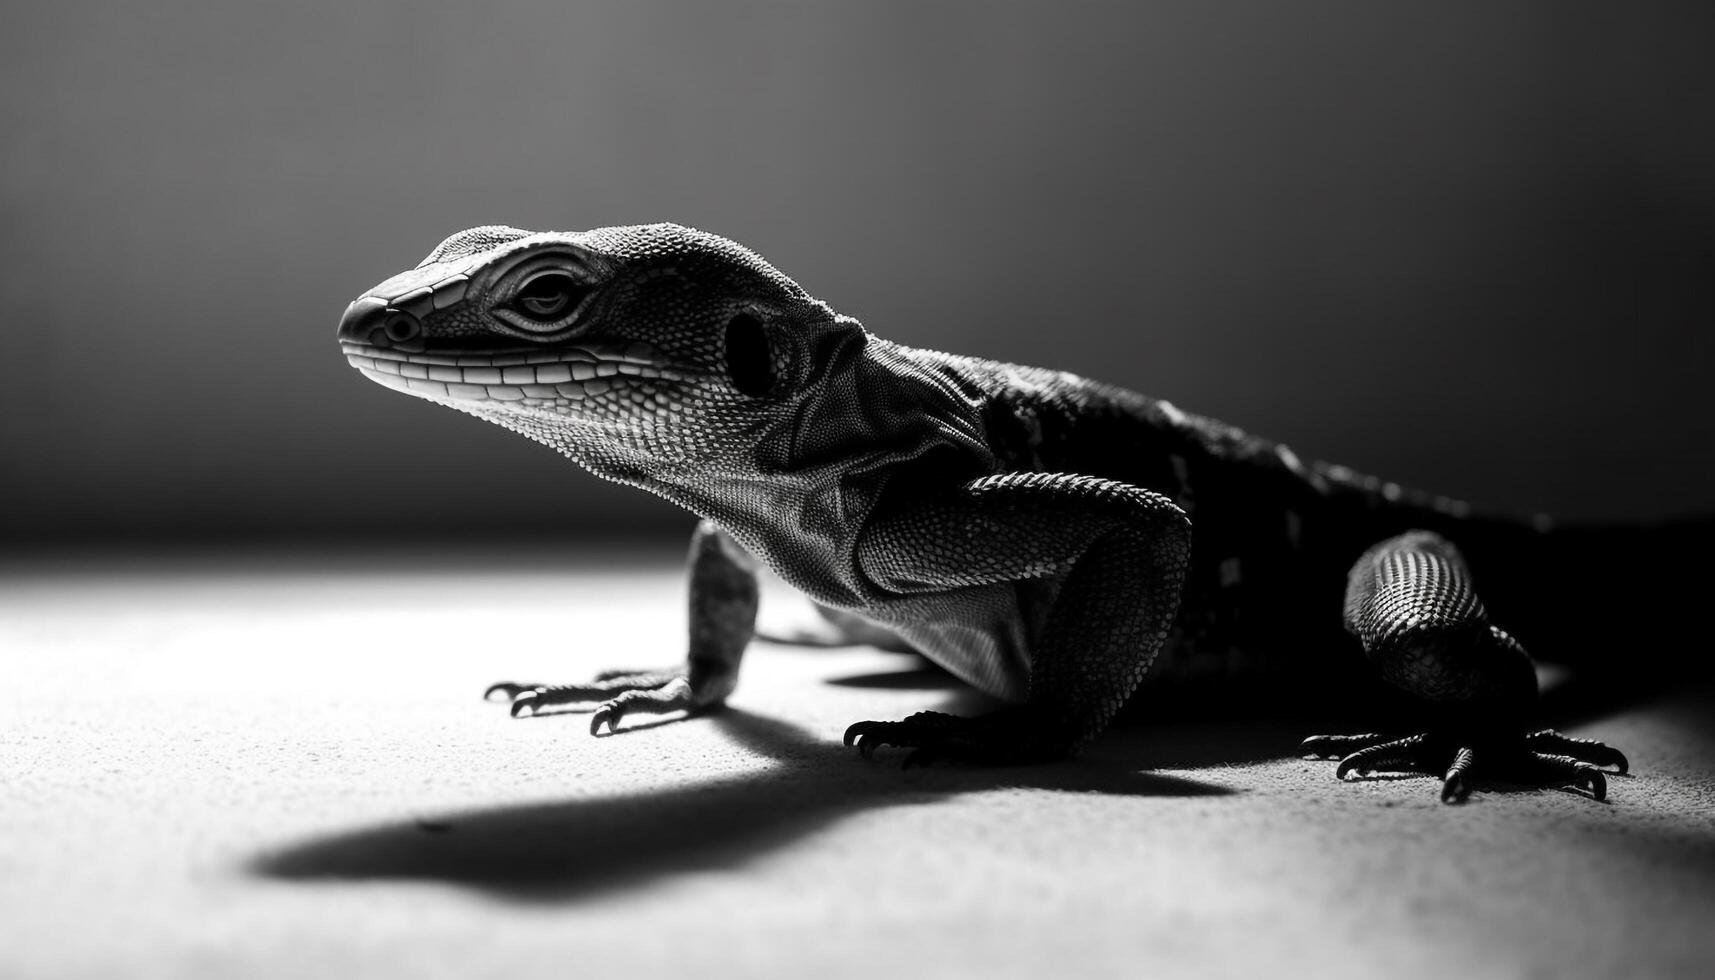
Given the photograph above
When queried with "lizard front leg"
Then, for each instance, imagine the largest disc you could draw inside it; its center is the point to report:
(1410, 602)
(1115, 557)
(723, 600)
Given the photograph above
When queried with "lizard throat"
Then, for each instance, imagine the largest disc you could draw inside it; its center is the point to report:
(525, 377)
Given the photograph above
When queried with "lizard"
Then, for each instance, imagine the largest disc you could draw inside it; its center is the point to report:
(1050, 540)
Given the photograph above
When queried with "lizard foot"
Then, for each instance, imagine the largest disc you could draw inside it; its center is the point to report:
(1010, 737)
(611, 695)
(1546, 757)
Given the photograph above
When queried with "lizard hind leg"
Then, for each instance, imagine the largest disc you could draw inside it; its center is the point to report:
(1410, 602)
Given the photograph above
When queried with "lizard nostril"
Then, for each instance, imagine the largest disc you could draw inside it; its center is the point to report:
(400, 325)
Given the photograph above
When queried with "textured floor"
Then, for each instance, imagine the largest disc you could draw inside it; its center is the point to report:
(281, 768)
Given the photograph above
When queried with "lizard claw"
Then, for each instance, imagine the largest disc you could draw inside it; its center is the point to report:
(869, 736)
(1014, 736)
(1583, 749)
(1455, 787)
(1598, 784)
(610, 696)
(1338, 746)
(1566, 769)
(1385, 755)
(609, 715)
(674, 695)
(524, 705)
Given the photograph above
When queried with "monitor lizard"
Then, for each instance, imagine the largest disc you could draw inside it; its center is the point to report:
(1029, 530)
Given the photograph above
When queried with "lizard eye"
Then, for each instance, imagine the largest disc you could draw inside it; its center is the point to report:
(749, 361)
(549, 297)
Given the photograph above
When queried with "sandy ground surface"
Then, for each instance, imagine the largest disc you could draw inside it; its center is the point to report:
(278, 769)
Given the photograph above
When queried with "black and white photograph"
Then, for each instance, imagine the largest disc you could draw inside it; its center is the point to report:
(931, 489)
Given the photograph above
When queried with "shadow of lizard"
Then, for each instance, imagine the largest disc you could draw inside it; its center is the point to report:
(573, 850)
(576, 849)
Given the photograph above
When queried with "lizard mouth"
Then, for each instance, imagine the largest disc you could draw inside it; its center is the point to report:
(525, 376)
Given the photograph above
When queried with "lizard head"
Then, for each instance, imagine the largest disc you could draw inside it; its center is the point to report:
(632, 349)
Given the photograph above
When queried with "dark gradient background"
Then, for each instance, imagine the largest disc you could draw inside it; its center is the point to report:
(1470, 248)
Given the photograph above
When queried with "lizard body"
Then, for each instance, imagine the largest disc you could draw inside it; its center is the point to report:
(1029, 530)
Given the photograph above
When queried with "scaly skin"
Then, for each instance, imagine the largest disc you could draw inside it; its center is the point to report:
(1029, 530)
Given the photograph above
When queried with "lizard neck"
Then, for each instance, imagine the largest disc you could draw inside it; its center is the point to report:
(804, 481)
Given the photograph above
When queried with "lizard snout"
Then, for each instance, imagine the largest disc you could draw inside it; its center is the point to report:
(371, 320)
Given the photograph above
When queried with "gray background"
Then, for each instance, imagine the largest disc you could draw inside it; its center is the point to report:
(1470, 248)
